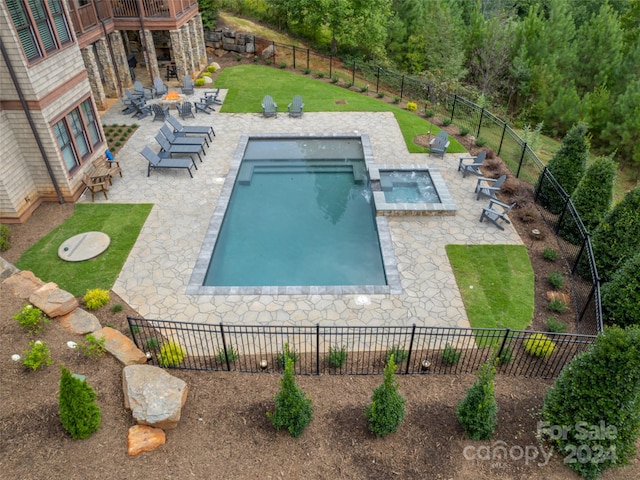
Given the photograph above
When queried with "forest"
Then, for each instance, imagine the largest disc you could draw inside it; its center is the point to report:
(553, 63)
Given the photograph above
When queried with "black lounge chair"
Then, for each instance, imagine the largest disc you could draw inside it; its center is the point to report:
(182, 140)
(156, 162)
(178, 149)
(183, 130)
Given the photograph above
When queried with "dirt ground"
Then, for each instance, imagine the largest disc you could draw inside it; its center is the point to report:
(224, 432)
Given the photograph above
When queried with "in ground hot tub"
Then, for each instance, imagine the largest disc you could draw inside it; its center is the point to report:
(410, 190)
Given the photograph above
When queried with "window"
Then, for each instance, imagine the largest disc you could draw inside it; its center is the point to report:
(77, 134)
(42, 26)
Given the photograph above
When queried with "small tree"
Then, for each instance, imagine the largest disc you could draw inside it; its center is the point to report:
(293, 408)
(592, 199)
(478, 411)
(621, 296)
(567, 167)
(386, 410)
(594, 405)
(79, 413)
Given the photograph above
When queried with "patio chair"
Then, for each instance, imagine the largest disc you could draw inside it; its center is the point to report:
(204, 107)
(185, 110)
(183, 130)
(176, 149)
(269, 107)
(95, 186)
(474, 167)
(172, 71)
(182, 140)
(156, 162)
(112, 164)
(160, 113)
(489, 187)
(187, 85)
(496, 213)
(295, 107)
(211, 97)
(439, 144)
(144, 92)
(160, 88)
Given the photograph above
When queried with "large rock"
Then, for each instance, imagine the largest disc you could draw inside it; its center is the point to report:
(23, 284)
(121, 346)
(53, 301)
(142, 438)
(81, 322)
(154, 397)
(7, 269)
(268, 52)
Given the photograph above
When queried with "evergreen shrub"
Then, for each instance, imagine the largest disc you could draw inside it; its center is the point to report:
(171, 354)
(337, 356)
(539, 345)
(281, 357)
(621, 296)
(79, 413)
(450, 355)
(5, 238)
(556, 280)
(37, 356)
(477, 412)
(386, 410)
(96, 298)
(31, 318)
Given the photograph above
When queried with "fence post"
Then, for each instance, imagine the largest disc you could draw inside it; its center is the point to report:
(353, 74)
(273, 44)
(317, 349)
(294, 57)
(524, 149)
(330, 66)
(133, 331)
(504, 130)
(556, 229)
(479, 122)
(453, 108)
(413, 333)
(582, 248)
(378, 81)
(402, 88)
(543, 178)
(504, 342)
(224, 346)
(307, 59)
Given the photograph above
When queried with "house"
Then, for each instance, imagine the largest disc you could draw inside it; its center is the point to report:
(60, 60)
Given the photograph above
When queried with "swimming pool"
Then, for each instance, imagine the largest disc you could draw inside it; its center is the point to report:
(299, 218)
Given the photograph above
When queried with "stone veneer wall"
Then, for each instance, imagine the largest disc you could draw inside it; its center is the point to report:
(110, 85)
(120, 55)
(91, 65)
(151, 52)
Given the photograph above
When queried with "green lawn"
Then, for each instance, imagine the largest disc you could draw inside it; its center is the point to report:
(122, 222)
(496, 283)
(248, 84)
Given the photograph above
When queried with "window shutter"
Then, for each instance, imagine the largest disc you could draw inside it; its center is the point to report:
(42, 24)
(60, 21)
(25, 31)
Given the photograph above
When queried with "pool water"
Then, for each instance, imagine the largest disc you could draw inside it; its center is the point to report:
(300, 214)
(408, 187)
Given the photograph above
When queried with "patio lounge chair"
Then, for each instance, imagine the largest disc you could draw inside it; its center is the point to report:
(474, 167)
(156, 162)
(496, 212)
(187, 85)
(160, 113)
(143, 92)
(439, 144)
(185, 110)
(488, 187)
(182, 130)
(269, 107)
(95, 186)
(183, 140)
(160, 88)
(296, 106)
(175, 149)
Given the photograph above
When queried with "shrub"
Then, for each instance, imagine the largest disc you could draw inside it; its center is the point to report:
(151, 343)
(412, 106)
(117, 308)
(92, 346)
(268, 62)
(592, 199)
(446, 122)
(567, 167)
(396, 100)
(549, 254)
(334, 79)
(505, 356)
(211, 69)
(539, 345)
(37, 356)
(481, 142)
(556, 280)
(337, 356)
(320, 74)
(599, 387)
(450, 355)
(478, 410)
(255, 58)
(557, 305)
(281, 357)
(429, 113)
(399, 354)
(306, 71)
(283, 65)
(621, 296)
(386, 410)
(555, 326)
(239, 58)
(464, 131)
(293, 409)
(79, 413)
(232, 354)
(171, 354)
(96, 298)
(31, 319)
(5, 238)
(206, 74)
(380, 95)
(199, 82)
(364, 88)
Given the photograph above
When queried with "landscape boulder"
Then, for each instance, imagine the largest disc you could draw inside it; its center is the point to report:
(143, 438)
(268, 52)
(6, 269)
(81, 322)
(121, 346)
(23, 284)
(154, 397)
(53, 301)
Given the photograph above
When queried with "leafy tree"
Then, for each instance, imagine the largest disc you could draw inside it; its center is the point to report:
(592, 198)
(567, 166)
(600, 387)
(617, 237)
(79, 413)
(621, 296)
(293, 408)
(209, 13)
(478, 411)
(386, 410)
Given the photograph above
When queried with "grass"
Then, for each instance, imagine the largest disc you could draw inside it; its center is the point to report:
(248, 84)
(122, 222)
(496, 283)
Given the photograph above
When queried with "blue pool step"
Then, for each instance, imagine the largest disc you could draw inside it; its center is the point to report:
(323, 166)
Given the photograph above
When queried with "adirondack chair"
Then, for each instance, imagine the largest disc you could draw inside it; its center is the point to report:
(211, 97)
(439, 144)
(185, 110)
(269, 107)
(187, 85)
(496, 213)
(296, 106)
(160, 113)
(474, 166)
(160, 87)
(143, 92)
(204, 107)
(489, 187)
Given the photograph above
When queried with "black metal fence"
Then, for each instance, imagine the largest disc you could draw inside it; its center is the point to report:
(354, 350)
